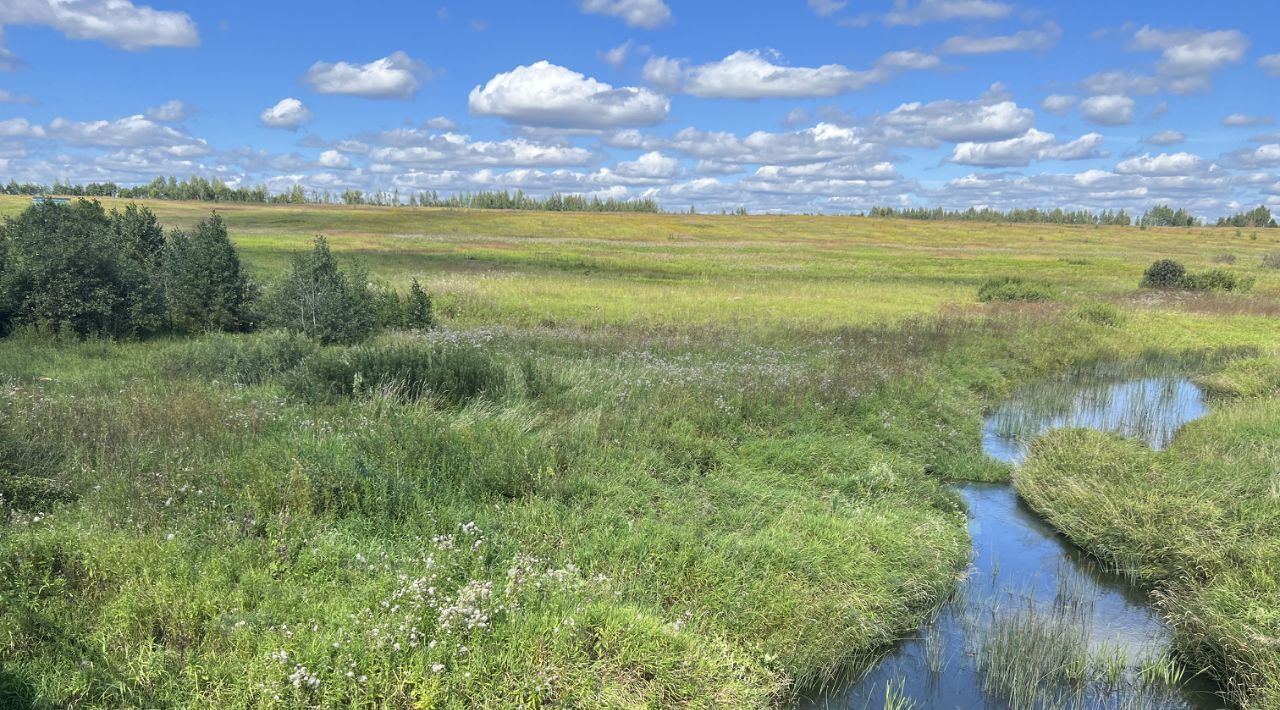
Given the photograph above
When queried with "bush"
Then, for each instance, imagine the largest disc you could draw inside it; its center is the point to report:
(1099, 314)
(1217, 280)
(1165, 273)
(206, 287)
(1013, 288)
(452, 373)
(1272, 260)
(323, 301)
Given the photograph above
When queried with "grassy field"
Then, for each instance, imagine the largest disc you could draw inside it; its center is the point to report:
(705, 465)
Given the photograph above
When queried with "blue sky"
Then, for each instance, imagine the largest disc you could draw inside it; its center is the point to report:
(818, 106)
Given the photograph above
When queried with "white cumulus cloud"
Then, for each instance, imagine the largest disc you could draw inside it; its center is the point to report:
(395, 76)
(288, 113)
(1108, 109)
(546, 94)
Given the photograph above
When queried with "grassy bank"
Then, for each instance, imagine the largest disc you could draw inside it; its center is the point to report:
(1200, 520)
(650, 459)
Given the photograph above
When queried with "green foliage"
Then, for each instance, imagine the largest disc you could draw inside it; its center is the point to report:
(324, 301)
(1217, 280)
(418, 312)
(1271, 260)
(1165, 273)
(1015, 288)
(450, 373)
(1166, 216)
(206, 286)
(76, 269)
(1258, 217)
(1099, 313)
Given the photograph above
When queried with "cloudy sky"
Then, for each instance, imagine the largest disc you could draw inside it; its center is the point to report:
(792, 105)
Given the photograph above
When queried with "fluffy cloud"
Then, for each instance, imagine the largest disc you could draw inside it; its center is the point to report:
(1032, 145)
(990, 118)
(287, 113)
(1267, 155)
(128, 132)
(1059, 103)
(1027, 40)
(1191, 54)
(119, 23)
(418, 147)
(1164, 164)
(823, 142)
(545, 94)
(617, 57)
(749, 75)
(907, 13)
(170, 111)
(636, 13)
(395, 76)
(1187, 61)
(334, 159)
(1165, 138)
(1270, 64)
(1240, 120)
(1108, 109)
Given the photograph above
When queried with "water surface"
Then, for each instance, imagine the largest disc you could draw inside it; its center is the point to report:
(1021, 566)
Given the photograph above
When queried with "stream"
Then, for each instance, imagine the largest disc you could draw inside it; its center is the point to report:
(1029, 592)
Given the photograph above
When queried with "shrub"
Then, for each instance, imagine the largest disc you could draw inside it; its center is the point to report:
(1165, 273)
(1217, 280)
(418, 313)
(323, 301)
(451, 373)
(1099, 314)
(206, 287)
(1272, 260)
(1224, 259)
(1013, 288)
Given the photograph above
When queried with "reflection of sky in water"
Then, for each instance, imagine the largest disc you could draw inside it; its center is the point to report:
(1151, 409)
(1019, 562)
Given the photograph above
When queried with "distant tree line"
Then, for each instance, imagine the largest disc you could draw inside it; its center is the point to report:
(1032, 215)
(1258, 217)
(201, 189)
(79, 270)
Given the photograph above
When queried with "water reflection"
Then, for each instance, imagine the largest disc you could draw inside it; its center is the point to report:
(1028, 583)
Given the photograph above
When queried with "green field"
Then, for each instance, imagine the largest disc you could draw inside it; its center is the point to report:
(709, 466)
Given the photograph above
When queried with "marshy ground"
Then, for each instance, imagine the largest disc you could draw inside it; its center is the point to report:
(700, 461)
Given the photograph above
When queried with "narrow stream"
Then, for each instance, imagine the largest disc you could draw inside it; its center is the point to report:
(1027, 582)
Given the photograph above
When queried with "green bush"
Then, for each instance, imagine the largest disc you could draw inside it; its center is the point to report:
(1165, 273)
(1099, 314)
(1272, 260)
(206, 288)
(1014, 288)
(451, 373)
(323, 301)
(1217, 280)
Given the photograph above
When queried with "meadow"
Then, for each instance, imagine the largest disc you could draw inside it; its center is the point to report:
(698, 461)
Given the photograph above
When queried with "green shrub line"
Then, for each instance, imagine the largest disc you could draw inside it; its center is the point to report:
(1167, 273)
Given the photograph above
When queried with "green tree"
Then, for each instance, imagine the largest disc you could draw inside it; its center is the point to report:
(206, 286)
(65, 271)
(417, 308)
(322, 300)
